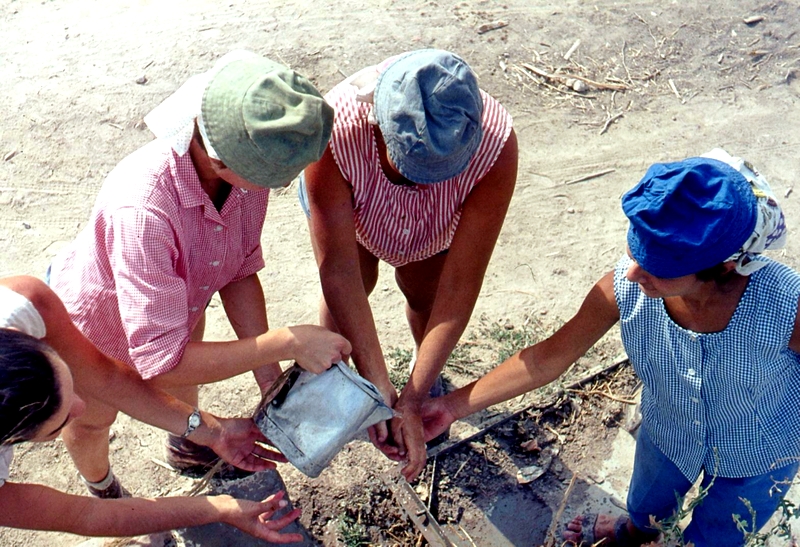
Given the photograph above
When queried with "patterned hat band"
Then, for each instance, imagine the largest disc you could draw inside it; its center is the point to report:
(770, 230)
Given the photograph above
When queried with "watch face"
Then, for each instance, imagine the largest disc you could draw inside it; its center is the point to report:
(194, 420)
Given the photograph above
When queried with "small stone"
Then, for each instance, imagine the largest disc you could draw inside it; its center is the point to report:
(141, 80)
(571, 210)
(579, 86)
(26, 225)
(528, 474)
(531, 446)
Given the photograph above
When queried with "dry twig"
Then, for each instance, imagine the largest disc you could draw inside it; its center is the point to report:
(551, 532)
(604, 394)
(591, 175)
(609, 121)
(564, 76)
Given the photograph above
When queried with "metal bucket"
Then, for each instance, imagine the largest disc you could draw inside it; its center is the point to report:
(310, 417)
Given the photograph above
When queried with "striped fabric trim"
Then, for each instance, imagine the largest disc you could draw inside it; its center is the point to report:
(401, 224)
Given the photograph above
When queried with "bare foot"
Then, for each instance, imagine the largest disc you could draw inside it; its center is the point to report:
(604, 532)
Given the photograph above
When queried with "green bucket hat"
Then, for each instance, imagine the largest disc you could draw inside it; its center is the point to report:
(265, 121)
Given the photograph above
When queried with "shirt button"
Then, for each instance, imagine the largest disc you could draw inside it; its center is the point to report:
(204, 288)
(695, 400)
(697, 422)
(401, 253)
(693, 337)
(406, 231)
(215, 263)
(217, 228)
(194, 308)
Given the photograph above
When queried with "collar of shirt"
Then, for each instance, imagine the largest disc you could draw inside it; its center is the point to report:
(191, 193)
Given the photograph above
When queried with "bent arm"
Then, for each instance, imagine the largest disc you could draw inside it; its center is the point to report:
(246, 309)
(333, 237)
(460, 283)
(314, 348)
(96, 374)
(542, 363)
(118, 385)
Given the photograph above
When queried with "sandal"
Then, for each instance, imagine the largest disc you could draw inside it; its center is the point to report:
(622, 537)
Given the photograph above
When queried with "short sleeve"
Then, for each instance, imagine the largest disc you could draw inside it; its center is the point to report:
(152, 296)
(18, 312)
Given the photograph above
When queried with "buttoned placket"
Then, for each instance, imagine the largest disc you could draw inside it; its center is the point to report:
(697, 409)
(218, 235)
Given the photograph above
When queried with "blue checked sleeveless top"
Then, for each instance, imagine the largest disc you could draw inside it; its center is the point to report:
(726, 402)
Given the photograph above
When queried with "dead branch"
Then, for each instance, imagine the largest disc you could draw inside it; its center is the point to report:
(562, 77)
(551, 532)
(604, 394)
(591, 175)
(609, 121)
(554, 88)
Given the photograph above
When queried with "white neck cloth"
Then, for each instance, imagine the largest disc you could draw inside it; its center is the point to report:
(173, 120)
(770, 230)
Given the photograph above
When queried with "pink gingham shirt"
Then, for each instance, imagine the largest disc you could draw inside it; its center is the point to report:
(402, 224)
(138, 277)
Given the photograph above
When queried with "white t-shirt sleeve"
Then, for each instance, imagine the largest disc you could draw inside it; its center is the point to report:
(18, 312)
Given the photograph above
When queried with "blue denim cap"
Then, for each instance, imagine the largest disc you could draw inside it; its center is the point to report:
(687, 216)
(428, 107)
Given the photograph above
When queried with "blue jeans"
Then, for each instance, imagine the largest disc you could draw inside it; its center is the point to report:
(656, 483)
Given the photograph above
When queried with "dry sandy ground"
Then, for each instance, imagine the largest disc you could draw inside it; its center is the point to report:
(79, 75)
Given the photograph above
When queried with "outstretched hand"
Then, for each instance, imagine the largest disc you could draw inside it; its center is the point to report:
(238, 443)
(256, 518)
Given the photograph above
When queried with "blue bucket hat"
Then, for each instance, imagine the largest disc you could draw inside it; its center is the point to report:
(687, 216)
(429, 108)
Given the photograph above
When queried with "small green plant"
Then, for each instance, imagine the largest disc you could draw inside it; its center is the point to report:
(352, 532)
(782, 529)
(508, 339)
(461, 360)
(398, 361)
(672, 536)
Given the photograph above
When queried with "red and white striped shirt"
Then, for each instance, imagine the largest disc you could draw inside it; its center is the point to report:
(138, 277)
(402, 224)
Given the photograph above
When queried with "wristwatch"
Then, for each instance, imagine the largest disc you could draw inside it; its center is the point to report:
(193, 422)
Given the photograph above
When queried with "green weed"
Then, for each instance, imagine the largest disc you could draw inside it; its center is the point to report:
(397, 363)
(353, 533)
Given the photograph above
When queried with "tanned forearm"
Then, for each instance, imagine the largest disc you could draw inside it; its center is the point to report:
(37, 507)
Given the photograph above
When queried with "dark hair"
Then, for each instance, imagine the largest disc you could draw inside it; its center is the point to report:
(719, 274)
(29, 391)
